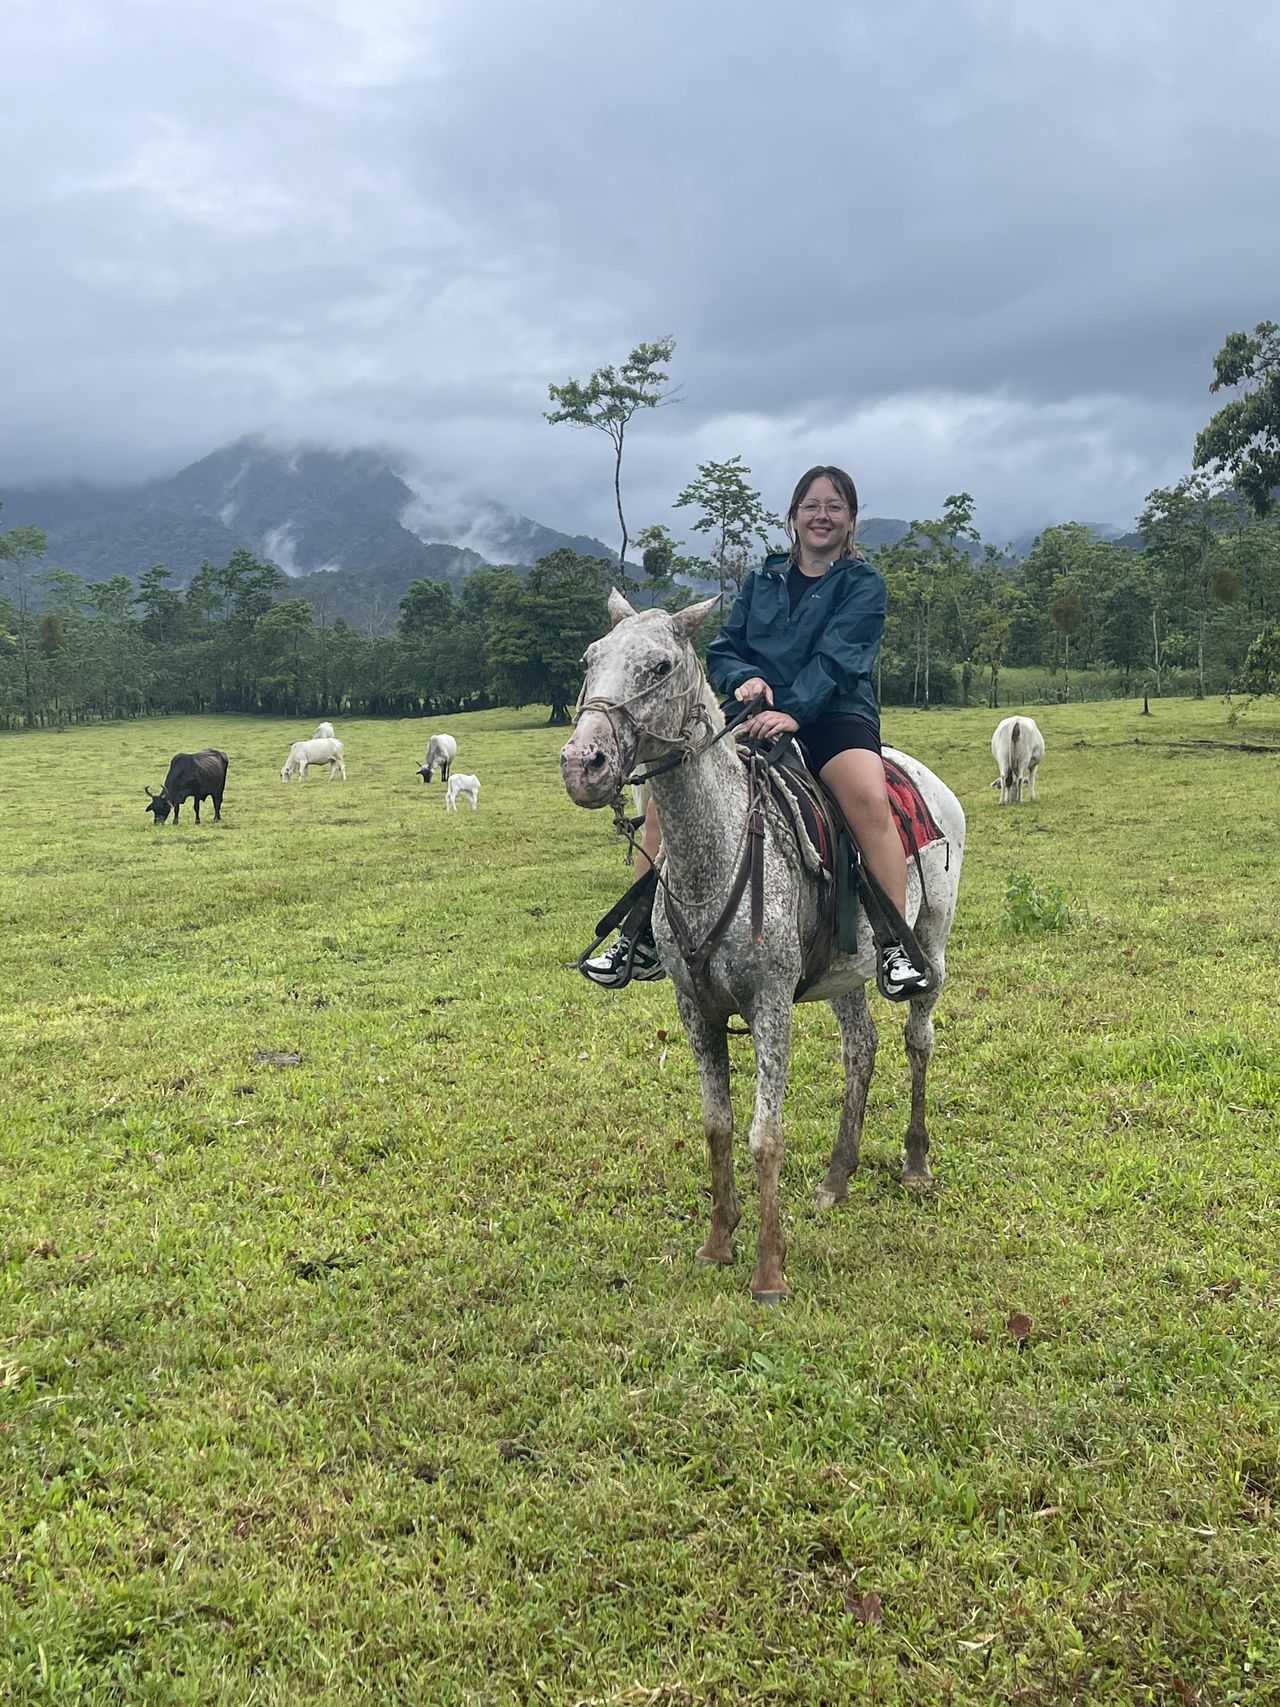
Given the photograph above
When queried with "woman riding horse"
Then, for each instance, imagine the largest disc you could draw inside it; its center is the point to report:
(804, 634)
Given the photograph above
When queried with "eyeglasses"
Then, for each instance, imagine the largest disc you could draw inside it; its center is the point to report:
(833, 507)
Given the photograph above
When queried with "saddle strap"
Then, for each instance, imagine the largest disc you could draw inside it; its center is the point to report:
(750, 869)
(630, 914)
(887, 923)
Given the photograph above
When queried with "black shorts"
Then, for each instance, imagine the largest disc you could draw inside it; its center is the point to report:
(838, 734)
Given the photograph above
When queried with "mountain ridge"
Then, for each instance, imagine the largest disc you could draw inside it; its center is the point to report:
(350, 528)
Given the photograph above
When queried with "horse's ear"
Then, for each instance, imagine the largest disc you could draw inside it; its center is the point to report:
(618, 607)
(685, 621)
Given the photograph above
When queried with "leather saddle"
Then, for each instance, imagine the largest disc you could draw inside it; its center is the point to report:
(825, 844)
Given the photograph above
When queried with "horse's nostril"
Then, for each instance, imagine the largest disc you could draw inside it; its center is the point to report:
(595, 761)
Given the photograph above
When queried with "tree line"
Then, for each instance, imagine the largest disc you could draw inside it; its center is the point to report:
(1197, 608)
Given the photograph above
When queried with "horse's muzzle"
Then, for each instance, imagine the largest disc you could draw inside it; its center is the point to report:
(589, 764)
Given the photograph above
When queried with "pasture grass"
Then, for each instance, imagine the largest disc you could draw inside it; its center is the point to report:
(387, 1375)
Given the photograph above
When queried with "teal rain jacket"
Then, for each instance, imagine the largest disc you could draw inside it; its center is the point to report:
(818, 659)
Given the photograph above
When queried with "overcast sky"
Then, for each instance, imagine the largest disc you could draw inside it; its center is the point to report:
(989, 245)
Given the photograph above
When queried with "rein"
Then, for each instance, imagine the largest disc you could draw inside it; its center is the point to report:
(750, 868)
(751, 861)
(746, 708)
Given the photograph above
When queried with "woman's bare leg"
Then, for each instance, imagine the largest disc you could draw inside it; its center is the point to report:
(651, 841)
(856, 778)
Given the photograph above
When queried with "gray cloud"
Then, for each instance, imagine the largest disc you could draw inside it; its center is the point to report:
(986, 246)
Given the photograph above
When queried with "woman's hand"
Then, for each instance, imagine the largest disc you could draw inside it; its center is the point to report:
(768, 725)
(751, 687)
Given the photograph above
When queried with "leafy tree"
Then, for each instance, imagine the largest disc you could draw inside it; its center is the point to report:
(425, 609)
(957, 525)
(608, 401)
(993, 623)
(461, 672)
(163, 608)
(1067, 615)
(663, 562)
(1124, 619)
(1243, 439)
(20, 548)
(538, 632)
(1181, 526)
(51, 644)
(732, 513)
(657, 559)
(1261, 672)
(480, 589)
(285, 648)
(52, 636)
(902, 651)
(249, 586)
(115, 646)
(954, 581)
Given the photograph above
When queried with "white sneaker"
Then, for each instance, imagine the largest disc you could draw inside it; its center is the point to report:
(898, 976)
(611, 967)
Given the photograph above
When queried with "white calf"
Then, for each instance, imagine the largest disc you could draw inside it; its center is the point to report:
(313, 752)
(324, 732)
(442, 750)
(1017, 747)
(461, 783)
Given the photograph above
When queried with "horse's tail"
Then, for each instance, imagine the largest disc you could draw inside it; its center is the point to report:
(1013, 754)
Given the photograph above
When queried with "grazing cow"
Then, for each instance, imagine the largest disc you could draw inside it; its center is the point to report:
(442, 750)
(324, 732)
(1017, 747)
(461, 783)
(192, 776)
(313, 752)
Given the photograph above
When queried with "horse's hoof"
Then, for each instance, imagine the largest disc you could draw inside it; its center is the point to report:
(919, 1182)
(774, 1297)
(826, 1198)
(712, 1262)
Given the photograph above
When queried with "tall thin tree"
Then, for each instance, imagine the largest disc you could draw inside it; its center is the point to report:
(608, 401)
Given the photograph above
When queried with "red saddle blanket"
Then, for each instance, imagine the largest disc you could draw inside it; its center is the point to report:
(916, 827)
(819, 814)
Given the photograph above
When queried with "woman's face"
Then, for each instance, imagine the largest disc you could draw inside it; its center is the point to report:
(822, 519)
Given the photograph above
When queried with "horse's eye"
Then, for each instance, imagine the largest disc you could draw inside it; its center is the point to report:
(663, 668)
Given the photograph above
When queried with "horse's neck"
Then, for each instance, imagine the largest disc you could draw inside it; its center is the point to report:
(702, 806)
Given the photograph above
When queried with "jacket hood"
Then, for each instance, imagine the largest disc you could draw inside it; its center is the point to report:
(778, 562)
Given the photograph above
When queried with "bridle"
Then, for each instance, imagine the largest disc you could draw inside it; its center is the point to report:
(692, 713)
(750, 855)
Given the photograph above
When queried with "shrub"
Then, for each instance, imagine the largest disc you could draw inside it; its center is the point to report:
(1029, 911)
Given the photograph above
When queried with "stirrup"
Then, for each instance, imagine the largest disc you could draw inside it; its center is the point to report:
(920, 982)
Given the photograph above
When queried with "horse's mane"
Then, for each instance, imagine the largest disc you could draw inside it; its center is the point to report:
(710, 704)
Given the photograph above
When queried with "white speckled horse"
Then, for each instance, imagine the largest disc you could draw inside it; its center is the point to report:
(646, 700)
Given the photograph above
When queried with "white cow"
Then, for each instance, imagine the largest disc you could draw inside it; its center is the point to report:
(313, 752)
(461, 783)
(324, 732)
(442, 750)
(1017, 747)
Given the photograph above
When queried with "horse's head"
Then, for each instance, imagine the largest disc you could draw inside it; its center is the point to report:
(638, 701)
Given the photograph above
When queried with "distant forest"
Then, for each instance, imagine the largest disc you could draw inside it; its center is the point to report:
(1195, 608)
(1177, 616)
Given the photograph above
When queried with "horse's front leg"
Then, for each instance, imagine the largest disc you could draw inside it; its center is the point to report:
(771, 1034)
(858, 1040)
(710, 1043)
(919, 1039)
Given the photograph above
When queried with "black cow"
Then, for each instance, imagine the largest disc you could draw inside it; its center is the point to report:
(191, 776)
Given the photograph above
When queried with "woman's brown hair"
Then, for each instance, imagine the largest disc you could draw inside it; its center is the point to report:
(843, 484)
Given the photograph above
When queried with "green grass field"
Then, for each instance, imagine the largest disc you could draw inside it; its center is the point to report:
(388, 1375)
